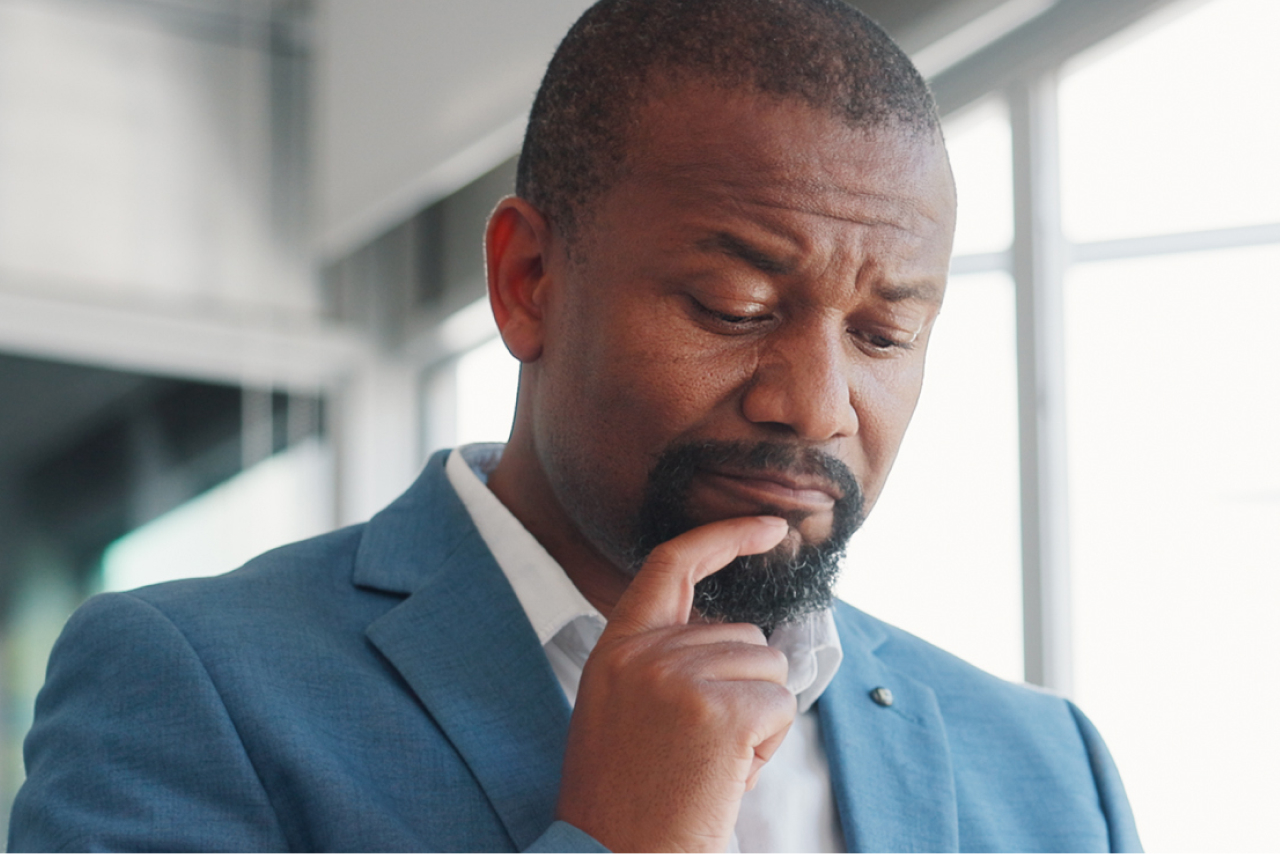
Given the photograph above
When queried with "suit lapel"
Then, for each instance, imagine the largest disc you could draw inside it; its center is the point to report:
(462, 642)
(890, 766)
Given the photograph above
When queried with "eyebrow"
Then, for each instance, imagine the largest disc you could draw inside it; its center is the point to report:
(924, 292)
(737, 248)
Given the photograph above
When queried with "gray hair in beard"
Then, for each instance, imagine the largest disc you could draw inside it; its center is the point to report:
(769, 589)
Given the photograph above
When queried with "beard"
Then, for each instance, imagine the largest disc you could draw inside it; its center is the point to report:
(779, 586)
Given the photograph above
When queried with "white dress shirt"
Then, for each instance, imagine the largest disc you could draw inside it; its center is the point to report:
(792, 807)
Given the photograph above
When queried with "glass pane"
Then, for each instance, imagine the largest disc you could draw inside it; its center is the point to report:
(1174, 412)
(487, 378)
(284, 498)
(939, 555)
(1176, 130)
(981, 158)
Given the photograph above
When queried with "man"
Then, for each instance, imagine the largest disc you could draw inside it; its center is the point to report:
(728, 248)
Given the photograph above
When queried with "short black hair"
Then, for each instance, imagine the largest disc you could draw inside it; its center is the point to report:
(824, 53)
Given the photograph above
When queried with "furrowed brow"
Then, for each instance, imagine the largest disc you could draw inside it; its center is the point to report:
(736, 248)
(923, 292)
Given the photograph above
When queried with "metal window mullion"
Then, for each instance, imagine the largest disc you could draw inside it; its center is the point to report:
(1039, 258)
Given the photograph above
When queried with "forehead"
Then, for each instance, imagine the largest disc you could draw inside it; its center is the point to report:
(700, 145)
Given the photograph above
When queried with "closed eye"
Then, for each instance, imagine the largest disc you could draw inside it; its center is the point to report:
(741, 322)
(883, 343)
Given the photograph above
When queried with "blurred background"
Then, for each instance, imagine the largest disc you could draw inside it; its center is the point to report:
(241, 300)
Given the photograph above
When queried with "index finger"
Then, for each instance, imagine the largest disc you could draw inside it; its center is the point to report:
(661, 594)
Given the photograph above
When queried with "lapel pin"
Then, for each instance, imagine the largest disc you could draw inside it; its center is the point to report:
(883, 696)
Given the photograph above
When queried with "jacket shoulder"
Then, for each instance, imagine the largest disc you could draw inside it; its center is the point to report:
(948, 675)
(298, 590)
(1014, 747)
(112, 760)
(284, 571)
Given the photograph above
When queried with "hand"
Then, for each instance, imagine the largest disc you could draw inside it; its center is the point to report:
(673, 720)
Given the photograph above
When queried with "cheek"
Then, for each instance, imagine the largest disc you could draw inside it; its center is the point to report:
(885, 406)
(610, 399)
(656, 378)
(656, 390)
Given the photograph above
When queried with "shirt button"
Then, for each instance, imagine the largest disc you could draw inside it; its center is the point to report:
(883, 696)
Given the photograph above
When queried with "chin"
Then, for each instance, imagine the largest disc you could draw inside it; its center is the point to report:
(789, 548)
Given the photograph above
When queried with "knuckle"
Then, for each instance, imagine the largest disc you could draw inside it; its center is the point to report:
(702, 709)
(646, 661)
(615, 662)
(660, 672)
(666, 555)
(774, 699)
(785, 700)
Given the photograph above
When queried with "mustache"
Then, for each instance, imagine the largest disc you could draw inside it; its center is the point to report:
(766, 589)
(764, 457)
(675, 469)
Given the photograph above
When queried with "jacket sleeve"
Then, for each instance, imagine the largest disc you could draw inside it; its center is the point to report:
(1115, 803)
(132, 748)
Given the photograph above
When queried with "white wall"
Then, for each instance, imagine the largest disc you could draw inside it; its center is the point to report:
(416, 99)
(136, 164)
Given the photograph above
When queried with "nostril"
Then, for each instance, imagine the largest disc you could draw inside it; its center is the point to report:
(813, 408)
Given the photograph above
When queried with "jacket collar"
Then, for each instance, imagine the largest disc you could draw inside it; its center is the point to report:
(463, 644)
(507, 717)
(890, 765)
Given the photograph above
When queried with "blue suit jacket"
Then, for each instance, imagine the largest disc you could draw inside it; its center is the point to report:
(380, 688)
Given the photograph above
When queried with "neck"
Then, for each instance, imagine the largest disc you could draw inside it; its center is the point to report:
(521, 484)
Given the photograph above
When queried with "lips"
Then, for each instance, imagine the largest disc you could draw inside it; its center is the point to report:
(697, 482)
(768, 490)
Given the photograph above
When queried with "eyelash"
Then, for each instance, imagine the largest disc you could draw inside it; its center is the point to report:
(884, 344)
(735, 319)
(730, 319)
(879, 343)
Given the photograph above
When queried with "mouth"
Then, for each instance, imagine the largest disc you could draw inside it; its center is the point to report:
(774, 491)
(698, 482)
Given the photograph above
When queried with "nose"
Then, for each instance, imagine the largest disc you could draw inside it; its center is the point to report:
(803, 384)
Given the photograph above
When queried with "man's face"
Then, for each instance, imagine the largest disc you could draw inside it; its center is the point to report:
(762, 276)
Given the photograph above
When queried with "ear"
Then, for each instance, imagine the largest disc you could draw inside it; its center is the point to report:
(517, 246)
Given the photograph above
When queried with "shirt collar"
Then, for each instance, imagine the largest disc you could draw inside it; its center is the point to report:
(813, 651)
(549, 598)
(551, 601)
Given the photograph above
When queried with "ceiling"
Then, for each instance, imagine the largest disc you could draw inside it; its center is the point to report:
(402, 88)
(915, 24)
(416, 99)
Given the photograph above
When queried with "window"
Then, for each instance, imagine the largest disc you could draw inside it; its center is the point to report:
(487, 378)
(1176, 131)
(1175, 511)
(1166, 139)
(956, 475)
(1171, 188)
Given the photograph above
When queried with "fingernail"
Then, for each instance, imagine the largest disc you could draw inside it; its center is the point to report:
(774, 521)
